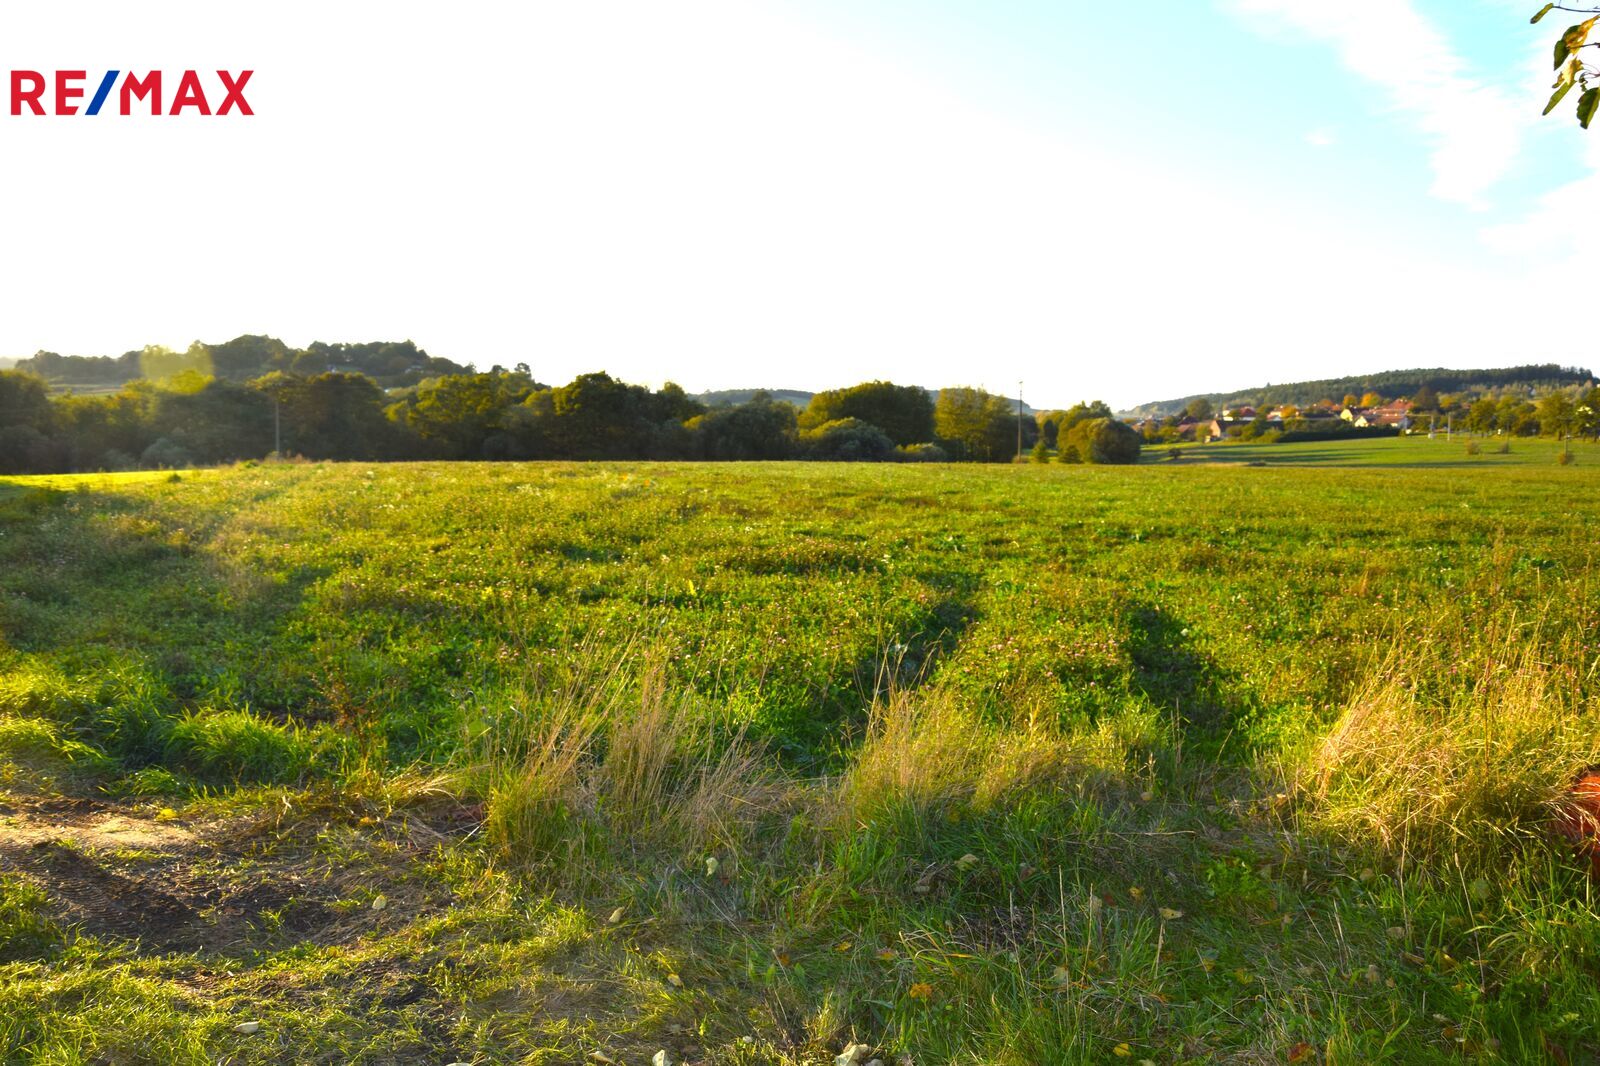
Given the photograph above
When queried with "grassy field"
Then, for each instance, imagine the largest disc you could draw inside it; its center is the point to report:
(1197, 761)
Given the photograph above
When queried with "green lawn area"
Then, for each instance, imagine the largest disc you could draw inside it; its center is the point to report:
(1415, 450)
(1192, 761)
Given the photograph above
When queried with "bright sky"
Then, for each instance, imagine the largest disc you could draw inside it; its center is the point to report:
(1125, 201)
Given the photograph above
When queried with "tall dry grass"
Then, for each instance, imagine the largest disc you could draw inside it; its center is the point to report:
(925, 752)
(609, 759)
(1467, 772)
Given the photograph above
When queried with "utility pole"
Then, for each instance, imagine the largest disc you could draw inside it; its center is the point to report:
(277, 430)
(1019, 421)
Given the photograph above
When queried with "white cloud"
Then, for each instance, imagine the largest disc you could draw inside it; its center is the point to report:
(1472, 127)
(1321, 138)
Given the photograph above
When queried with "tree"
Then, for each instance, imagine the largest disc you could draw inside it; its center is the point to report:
(983, 424)
(1082, 412)
(1371, 399)
(1105, 440)
(1041, 452)
(1587, 417)
(25, 401)
(219, 422)
(1556, 413)
(1571, 70)
(1480, 416)
(903, 412)
(1351, 399)
(760, 428)
(1425, 401)
(331, 416)
(1199, 409)
(161, 364)
(848, 440)
(457, 413)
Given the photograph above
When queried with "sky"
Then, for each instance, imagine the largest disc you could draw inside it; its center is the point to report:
(1125, 201)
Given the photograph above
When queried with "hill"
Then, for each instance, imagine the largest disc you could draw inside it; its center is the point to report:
(734, 397)
(1390, 384)
(390, 363)
(798, 397)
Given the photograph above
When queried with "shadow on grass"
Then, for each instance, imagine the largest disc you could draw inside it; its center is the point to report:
(85, 571)
(1170, 673)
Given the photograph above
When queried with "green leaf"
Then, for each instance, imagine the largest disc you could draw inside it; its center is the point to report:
(1564, 83)
(1588, 104)
(1543, 12)
(1564, 88)
(1562, 52)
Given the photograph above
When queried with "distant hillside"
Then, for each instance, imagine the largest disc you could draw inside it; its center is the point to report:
(389, 363)
(730, 397)
(7, 362)
(733, 397)
(1391, 384)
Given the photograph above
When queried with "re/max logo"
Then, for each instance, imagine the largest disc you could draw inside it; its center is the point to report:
(28, 90)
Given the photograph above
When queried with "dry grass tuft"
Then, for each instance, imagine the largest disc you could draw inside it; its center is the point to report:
(925, 752)
(1465, 775)
(638, 765)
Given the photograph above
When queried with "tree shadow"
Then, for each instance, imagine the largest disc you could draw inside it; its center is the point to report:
(1171, 673)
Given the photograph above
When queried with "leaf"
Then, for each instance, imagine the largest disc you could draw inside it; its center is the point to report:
(1542, 13)
(920, 990)
(1122, 1051)
(1171, 915)
(1573, 39)
(1564, 83)
(1587, 104)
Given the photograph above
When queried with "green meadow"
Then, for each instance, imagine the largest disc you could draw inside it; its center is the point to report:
(1250, 755)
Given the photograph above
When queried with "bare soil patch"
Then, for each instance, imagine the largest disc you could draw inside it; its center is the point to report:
(118, 872)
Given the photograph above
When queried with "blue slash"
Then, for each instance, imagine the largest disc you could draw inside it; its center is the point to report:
(101, 93)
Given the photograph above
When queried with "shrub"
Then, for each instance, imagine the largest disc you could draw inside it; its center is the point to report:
(166, 454)
(1106, 440)
(1566, 458)
(848, 440)
(1473, 447)
(924, 453)
(1069, 454)
(116, 459)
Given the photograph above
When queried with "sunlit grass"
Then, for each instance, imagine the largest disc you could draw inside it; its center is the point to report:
(748, 762)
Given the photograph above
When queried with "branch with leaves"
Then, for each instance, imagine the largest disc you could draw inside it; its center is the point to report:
(1570, 68)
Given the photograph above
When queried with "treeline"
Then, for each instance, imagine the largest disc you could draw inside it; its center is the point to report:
(193, 418)
(1529, 379)
(389, 363)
